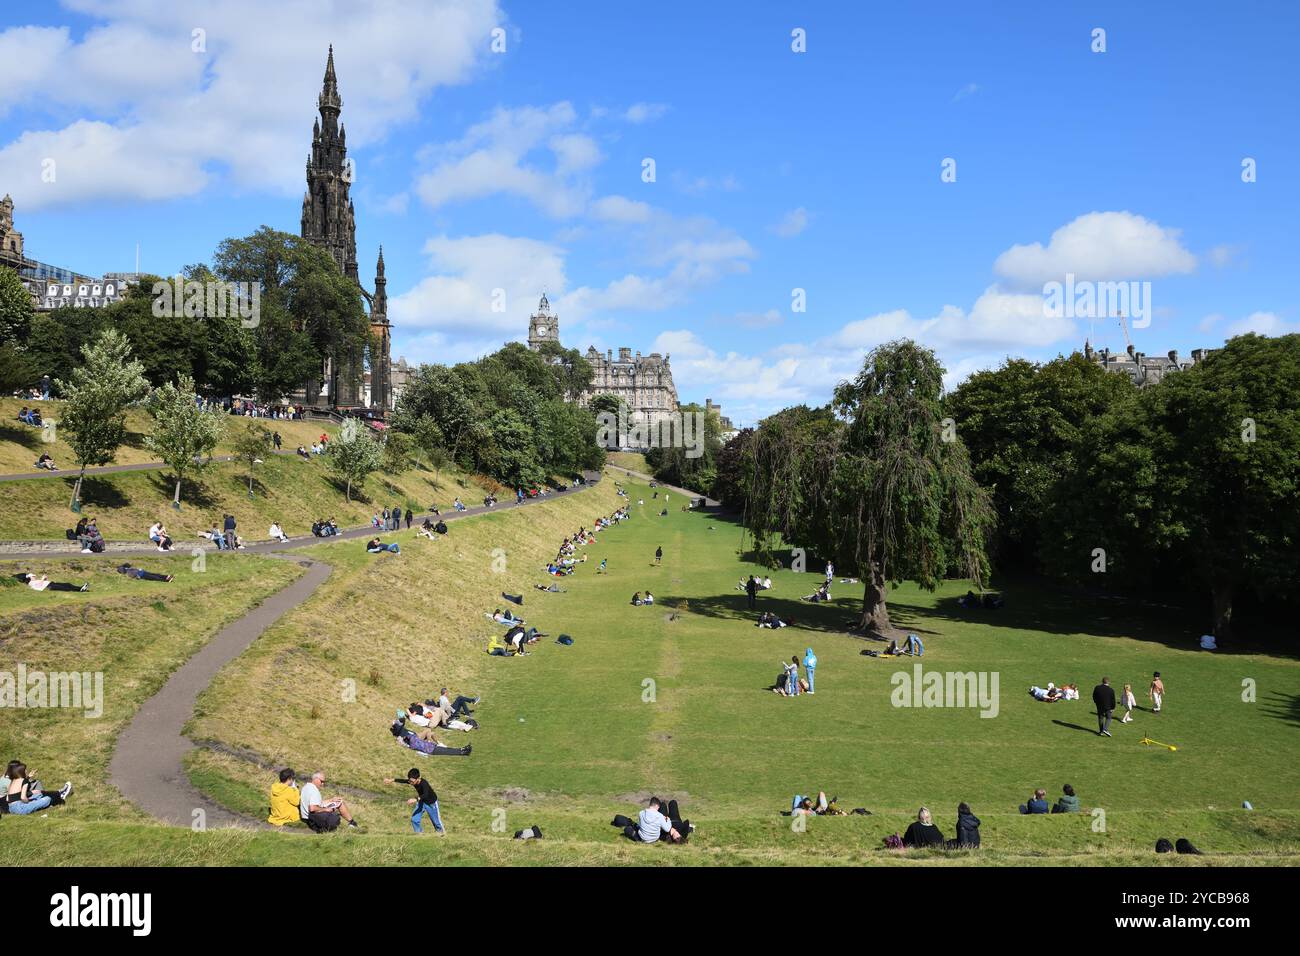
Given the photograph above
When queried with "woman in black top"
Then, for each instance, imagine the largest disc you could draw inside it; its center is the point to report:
(923, 832)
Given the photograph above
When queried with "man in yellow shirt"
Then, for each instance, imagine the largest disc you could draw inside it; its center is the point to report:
(284, 800)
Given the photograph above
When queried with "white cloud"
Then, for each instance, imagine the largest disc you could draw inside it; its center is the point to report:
(172, 120)
(970, 89)
(644, 112)
(1261, 323)
(1099, 246)
(620, 209)
(792, 223)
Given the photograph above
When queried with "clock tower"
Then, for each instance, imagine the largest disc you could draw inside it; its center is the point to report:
(543, 326)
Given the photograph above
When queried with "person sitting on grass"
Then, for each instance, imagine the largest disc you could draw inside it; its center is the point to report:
(425, 743)
(652, 825)
(430, 716)
(1036, 804)
(321, 815)
(768, 619)
(277, 533)
(427, 530)
(158, 535)
(636, 599)
(302, 452)
(42, 582)
(46, 462)
(142, 575)
(375, 546)
(820, 596)
(649, 598)
(24, 795)
(922, 832)
(425, 801)
(1068, 802)
(458, 707)
(782, 686)
(92, 540)
(968, 830)
(285, 800)
(458, 505)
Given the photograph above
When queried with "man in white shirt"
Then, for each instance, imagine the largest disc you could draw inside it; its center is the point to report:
(652, 826)
(277, 533)
(321, 815)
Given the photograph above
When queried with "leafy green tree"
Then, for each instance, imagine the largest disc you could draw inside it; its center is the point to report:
(729, 468)
(446, 397)
(15, 308)
(1021, 424)
(693, 467)
(1196, 480)
(16, 370)
(398, 451)
(97, 394)
(354, 455)
(572, 372)
(885, 493)
(252, 445)
(184, 434)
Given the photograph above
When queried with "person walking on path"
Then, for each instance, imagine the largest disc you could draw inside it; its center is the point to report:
(1156, 693)
(1103, 696)
(409, 515)
(425, 801)
(276, 440)
(659, 556)
(751, 592)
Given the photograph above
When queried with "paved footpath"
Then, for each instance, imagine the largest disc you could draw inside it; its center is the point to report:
(148, 761)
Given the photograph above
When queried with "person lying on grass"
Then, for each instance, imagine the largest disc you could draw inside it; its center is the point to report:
(1048, 695)
(553, 588)
(806, 806)
(375, 546)
(820, 596)
(505, 617)
(425, 801)
(434, 716)
(458, 707)
(42, 582)
(652, 825)
(23, 793)
(424, 742)
(141, 575)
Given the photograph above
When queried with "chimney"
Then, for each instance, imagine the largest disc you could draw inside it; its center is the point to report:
(1173, 356)
(624, 355)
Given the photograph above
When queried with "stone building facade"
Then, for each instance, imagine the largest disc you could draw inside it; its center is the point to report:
(329, 221)
(1142, 369)
(643, 382)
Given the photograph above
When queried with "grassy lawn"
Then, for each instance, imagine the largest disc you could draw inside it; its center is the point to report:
(289, 489)
(133, 632)
(647, 703)
(631, 460)
(21, 445)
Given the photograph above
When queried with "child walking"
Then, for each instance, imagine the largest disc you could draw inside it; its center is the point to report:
(1128, 702)
(1157, 692)
(425, 801)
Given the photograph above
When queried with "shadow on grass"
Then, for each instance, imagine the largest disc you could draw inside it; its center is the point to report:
(25, 435)
(1086, 730)
(1282, 706)
(194, 493)
(99, 492)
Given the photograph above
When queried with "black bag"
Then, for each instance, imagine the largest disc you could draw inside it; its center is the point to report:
(70, 534)
(1184, 845)
(564, 639)
(622, 821)
(1164, 846)
(97, 546)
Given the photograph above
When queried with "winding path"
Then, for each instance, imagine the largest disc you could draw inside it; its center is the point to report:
(148, 761)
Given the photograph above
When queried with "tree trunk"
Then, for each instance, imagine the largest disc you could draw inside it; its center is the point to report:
(176, 500)
(76, 490)
(349, 491)
(875, 614)
(1221, 593)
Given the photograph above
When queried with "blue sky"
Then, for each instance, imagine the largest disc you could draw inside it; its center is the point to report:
(774, 170)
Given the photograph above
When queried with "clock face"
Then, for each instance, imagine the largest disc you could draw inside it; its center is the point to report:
(542, 330)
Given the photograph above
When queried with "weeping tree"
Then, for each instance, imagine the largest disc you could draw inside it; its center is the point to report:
(184, 433)
(879, 482)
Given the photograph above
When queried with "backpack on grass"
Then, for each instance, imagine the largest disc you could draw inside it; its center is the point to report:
(564, 639)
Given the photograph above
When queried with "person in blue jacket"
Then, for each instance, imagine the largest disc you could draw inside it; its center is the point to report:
(810, 667)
